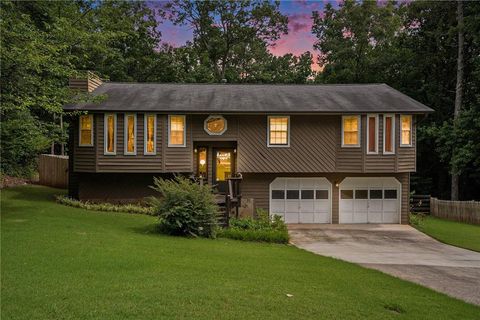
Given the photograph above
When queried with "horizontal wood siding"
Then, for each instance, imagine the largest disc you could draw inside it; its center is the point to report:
(83, 157)
(312, 145)
(178, 159)
(128, 163)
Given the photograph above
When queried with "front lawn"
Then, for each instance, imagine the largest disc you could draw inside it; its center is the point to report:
(69, 263)
(455, 233)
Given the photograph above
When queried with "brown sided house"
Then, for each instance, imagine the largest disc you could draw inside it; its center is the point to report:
(310, 153)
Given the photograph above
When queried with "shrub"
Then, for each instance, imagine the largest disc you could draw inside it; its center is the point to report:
(262, 228)
(128, 208)
(416, 219)
(185, 207)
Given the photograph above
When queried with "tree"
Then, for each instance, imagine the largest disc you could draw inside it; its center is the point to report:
(221, 27)
(458, 89)
(354, 38)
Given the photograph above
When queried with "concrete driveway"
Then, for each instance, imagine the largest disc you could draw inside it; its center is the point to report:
(398, 250)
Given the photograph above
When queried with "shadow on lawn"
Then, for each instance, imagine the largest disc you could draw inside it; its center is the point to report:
(39, 193)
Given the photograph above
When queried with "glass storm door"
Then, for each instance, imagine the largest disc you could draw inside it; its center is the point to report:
(223, 168)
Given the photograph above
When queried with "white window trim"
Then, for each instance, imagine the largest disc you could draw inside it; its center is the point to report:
(385, 116)
(359, 119)
(269, 145)
(145, 136)
(411, 131)
(215, 133)
(368, 133)
(105, 134)
(184, 131)
(125, 134)
(80, 131)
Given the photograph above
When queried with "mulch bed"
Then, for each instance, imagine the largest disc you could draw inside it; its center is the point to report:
(7, 182)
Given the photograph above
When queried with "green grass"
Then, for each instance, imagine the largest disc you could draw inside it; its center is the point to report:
(455, 233)
(68, 263)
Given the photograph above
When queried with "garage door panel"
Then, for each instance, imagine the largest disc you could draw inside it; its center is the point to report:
(306, 217)
(373, 200)
(291, 217)
(303, 200)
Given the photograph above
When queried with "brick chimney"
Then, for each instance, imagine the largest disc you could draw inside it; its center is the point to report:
(86, 82)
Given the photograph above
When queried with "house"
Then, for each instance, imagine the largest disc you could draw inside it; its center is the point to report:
(309, 153)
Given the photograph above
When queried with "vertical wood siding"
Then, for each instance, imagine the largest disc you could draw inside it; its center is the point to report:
(315, 147)
(312, 145)
(128, 163)
(83, 157)
(178, 159)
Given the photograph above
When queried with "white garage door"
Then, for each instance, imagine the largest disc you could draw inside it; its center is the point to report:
(301, 200)
(369, 200)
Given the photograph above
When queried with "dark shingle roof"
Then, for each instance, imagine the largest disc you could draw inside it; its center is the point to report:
(237, 98)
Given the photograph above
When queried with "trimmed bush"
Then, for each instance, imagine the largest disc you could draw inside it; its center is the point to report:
(128, 208)
(185, 207)
(261, 229)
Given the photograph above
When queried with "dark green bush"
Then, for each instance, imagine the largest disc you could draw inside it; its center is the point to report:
(261, 229)
(185, 207)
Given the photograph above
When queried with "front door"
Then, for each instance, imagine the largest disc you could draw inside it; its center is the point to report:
(223, 168)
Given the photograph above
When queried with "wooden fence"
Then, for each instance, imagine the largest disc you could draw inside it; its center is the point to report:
(53, 170)
(463, 211)
(420, 203)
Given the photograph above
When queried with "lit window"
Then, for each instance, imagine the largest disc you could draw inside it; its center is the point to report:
(215, 125)
(176, 131)
(388, 134)
(150, 134)
(202, 162)
(278, 134)
(406, 121)
(110, 133)
(351, 131)
(86, 130)
(372, 134)
(130, 134)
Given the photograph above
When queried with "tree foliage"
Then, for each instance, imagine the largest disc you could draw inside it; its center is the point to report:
(222, 28)
(413, 48)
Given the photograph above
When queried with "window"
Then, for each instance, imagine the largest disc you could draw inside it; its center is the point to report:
(361, 194)
(110, 134)
(202, 162)
(346, 194)
(307, 194)
(215, 125)
(406, 127)
(150, 125)
(388, 134)
(390, 194)
(350, 131)
(321, 194)
(278, 194)
(292, 194)
(376, 194)
(86, 130)
(176, 131)
(372, 134)
(130, 136)
(278, 131)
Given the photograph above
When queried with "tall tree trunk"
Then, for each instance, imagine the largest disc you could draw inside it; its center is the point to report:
(62, 145)
(459, 89)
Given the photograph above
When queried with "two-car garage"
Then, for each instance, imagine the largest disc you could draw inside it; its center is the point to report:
(360, 200)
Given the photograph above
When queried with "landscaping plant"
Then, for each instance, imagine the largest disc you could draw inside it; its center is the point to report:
(185, 207)
(262, 228)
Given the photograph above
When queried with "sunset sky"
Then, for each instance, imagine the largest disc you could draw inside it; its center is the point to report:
(298, 40)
